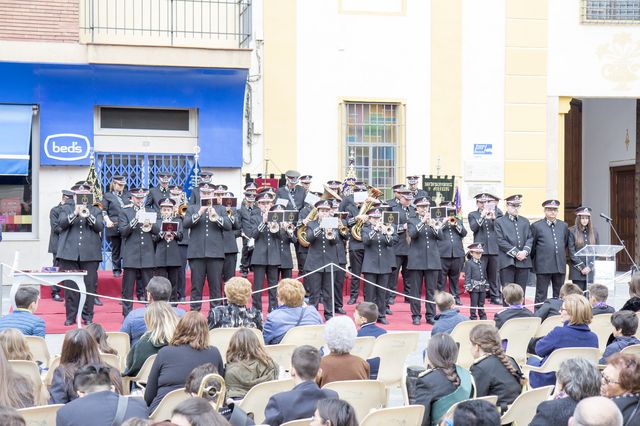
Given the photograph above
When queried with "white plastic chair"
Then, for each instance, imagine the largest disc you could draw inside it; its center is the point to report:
(601, 326)
(221, 337)
(43, 415)
(39, 350)
(518, 332)
(552, 363)
(524, 407)
(281, 354)
(169, 402)
(363, 395)
(406, 415)
(141, 377)
(121, 342)
(255, 401)
(305, 335)
(547, 325)
(393, 350)
(363, 346)
(460, 335)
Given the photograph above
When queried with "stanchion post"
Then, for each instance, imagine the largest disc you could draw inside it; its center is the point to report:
(333, 295)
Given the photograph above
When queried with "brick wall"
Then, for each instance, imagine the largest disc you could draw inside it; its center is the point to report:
(45, 20)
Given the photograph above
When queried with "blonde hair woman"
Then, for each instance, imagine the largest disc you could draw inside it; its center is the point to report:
(15, 345)
(161, 321)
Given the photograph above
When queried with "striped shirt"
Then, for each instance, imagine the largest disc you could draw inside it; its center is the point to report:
(25, 321)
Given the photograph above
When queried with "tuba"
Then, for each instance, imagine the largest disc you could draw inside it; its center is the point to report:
(211, 392)
(356, 230)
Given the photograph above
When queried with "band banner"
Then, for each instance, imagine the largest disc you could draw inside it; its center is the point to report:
(439, 188)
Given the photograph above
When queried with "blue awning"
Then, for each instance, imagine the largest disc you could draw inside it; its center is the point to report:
(15, 139)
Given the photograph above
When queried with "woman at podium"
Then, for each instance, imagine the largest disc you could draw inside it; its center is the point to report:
(580, 235)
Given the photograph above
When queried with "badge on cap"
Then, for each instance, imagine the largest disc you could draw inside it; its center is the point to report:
(323, 204)
(477, 247)
(374, 213)
(551, 204)
(583, 211)
(514, 200)
(167, 202)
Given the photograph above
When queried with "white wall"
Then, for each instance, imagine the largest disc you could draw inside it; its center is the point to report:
(360, 56)
(604, 124)
(591, 60)
(483, 56)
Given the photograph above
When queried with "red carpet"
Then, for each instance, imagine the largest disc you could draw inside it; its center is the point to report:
(110, 315)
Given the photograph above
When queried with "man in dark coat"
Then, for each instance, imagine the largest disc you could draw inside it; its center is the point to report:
(80, 248)
(356, 248)
(67, 195)
(451, 254)
(515, 241)
(401, 248)
(204, 177)
(265, 259)
(244, 213)
(300, 402)
(206, 224)
(231, 236)
(413, 182)
(159, 192)
(292, 192)
(167, 258)
(112, 204)
(424, 260)
(482, 224)
(138, 255)
(550, 242)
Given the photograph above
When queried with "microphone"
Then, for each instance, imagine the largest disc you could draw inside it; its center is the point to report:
(605, 217)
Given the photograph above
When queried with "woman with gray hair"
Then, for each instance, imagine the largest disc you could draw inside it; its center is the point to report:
(340, 334)
(576, 380)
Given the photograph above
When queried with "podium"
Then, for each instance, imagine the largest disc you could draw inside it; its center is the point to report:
(603, 259)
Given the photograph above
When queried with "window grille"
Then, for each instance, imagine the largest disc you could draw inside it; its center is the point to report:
(610, 11)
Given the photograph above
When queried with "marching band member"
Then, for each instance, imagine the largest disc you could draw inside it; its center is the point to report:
(167, 258)
(229, 237)
(424, 259)
(206, 246)
(401, 248)
(287, 237)
(482, 224)
(244, 212)
(79, 248)
(322, 251)
(265, 259)
(305, 182)
(413, 181)
(205, 177)
(515, 241)
(179, 211)
(378, 261)
(475, 281)
(451, 254)
(161, 191)
(54, 235)
(112, 204)
(340, 275)
(581, 234)
(550, 239)
(292, 192)
(138, 255)
(356, 248)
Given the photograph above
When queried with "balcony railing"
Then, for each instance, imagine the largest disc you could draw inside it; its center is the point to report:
(185, 23)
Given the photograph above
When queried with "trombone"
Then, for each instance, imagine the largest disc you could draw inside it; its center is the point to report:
(212, 392)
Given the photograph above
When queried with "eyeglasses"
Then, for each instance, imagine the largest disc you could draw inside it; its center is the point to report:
(608, 380)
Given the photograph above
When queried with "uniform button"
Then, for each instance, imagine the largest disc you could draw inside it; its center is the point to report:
(80, 237)
(142, 243)
(80, 226)
(206, 235)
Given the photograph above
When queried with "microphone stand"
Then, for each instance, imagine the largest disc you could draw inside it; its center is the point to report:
(613, 228)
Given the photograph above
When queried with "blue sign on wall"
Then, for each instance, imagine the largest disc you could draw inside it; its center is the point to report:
(68, 93)
(482, 149)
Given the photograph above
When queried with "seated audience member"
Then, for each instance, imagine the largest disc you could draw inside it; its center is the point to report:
(230, 411)
(135, 421)
(633, 304)
(366, 316)
(158, 290)
(334, 412)
(621, 383)
(291, 312)
(445, 383)
(189, 348)
(247, 364)
(448, 317)
(11, 417)
(300, 402)
(598, 295)
(476, 413)
(97, 399)
(575, 333)
(513, 296)
(15, 345)
(100, 336)
(340, 335)
(236, 313)
(78, 349)
(551, 306)
(196, 412)
(161, 321)
(625, 325)
(16, 391)
(494, 372)
(597, 411)
(576, 380)
(23, 317)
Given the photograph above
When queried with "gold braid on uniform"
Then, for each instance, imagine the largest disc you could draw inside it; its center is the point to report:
(488, 338)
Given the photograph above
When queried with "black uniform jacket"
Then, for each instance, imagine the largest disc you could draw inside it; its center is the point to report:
(231, 236)
(510, 313)
(53, 232)
(423, 251)
(451, 243)
(577, 263)
(379, 256)
(493, 378)
(514, 235)
(137, 246)
(168, 252)
(549, 247)
(80, 238)
(112, 205)
(484, 231)
(266, 250)
(295, 200)
(322, 250)
(205, 237)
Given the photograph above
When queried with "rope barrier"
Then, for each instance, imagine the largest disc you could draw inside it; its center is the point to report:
(220, 299)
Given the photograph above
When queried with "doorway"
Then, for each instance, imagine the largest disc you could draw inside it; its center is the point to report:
(623, 211)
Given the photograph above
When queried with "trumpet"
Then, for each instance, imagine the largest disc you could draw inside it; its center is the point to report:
(146, 226)
(210, 391)
(452, 221)
(330, 234)
(274, 227)
(290, 227)
(84, 211)
(213, 214)
(344, 231)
